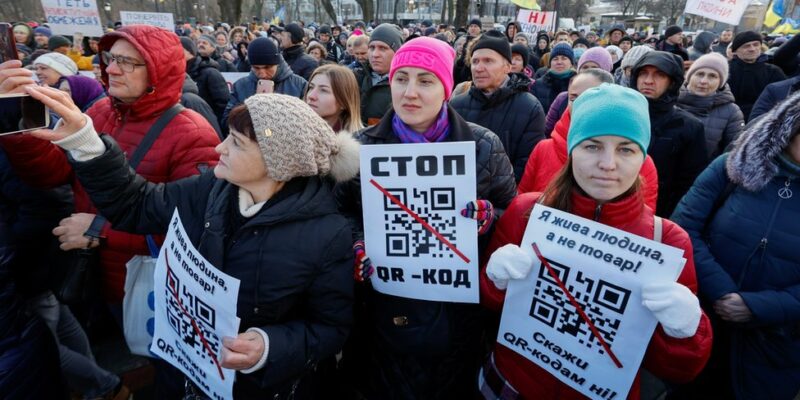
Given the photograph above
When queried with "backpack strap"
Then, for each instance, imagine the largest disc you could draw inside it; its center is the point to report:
(153, 133)
(658, 228)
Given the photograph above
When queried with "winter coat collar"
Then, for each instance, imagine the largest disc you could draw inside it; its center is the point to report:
(754, 160)
(166, 67)
(559, 136)
(618, 213)
(702, 105)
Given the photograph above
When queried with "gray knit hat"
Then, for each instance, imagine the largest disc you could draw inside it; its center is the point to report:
(633, 56)
(389, 34)
(295, 141)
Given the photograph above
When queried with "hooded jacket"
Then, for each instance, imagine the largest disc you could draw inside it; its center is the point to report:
(721, 117)
(701, 45)
(677, 139)
(210, 84)
(438, 353)
(185, 146)
(286, 82)
(550, 155)
(748, 80)
(301, 63)
(512, 113)
(748, 245)
(671, 359)
(298, 291)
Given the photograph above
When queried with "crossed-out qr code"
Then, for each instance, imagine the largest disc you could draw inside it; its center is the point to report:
(407, 237)
(603, 302)
(182, 309)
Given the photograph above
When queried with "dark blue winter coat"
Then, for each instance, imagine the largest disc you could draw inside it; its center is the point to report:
(773, 94)
(293, 258)
(750, 247)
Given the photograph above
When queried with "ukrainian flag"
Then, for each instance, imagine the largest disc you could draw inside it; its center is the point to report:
(774, 13)
(788, 27)
(529, 4)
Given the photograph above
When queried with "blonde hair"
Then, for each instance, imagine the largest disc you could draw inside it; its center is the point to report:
(346, 92)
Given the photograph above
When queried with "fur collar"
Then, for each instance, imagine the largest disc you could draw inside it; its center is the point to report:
(753, 162)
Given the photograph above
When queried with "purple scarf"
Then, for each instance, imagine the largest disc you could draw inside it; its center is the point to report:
(435, 133)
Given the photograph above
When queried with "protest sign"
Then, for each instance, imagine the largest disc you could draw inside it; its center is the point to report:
(161, 20)
(533, 22)
(195, 307)
(232, 77)
(420, 245)
(597, 347)
(68, 17)
(725, 11)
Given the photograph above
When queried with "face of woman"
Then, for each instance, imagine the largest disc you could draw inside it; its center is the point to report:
(516, 63)
(20, 35)
(560, 63)
(47, 76)
(240, 161)
(606, 166)
(512, 30)
(542, 43)
(316, 53)
(221, 40)
(237, 37)
(704, 82)
(417, 97)
(321, 99)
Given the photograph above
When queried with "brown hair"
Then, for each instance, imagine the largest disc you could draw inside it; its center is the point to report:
(240, 121)
(318, 46)
(346, 92)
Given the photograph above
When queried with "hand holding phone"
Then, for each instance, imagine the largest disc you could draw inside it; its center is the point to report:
(265, 86)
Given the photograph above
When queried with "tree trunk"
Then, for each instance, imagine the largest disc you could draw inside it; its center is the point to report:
(394, 13)
(367, 9)
(451, 11)
(462, 13)
(443, 17)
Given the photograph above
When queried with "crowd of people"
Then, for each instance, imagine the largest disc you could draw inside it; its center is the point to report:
(691, 141)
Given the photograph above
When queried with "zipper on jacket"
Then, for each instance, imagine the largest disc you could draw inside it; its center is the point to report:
(597, 211)
(762, 244)
(258, 278)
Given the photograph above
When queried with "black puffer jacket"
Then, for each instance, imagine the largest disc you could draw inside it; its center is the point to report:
(548, 87)
(299, 291)
(440, 347)
(190, 98)
(301, 63)
(721, 117)
(747, 81)
(210, 84)
(677, 139)
(376, 100)
(512, 113)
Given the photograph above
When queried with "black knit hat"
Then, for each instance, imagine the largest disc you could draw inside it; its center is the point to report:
(742, 38)
(475, 21)
(582, 41)
(296, 31)
(326, 29)
(189, 45)
(57, 41)
(672, 30)
(263, 51)
(498, 44)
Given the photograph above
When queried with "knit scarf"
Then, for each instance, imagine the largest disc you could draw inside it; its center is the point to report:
(435, 133)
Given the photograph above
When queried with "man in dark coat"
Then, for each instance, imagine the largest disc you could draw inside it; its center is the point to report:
(673, 42)
(293, 52)
(207, 48)
(749, 71)
(724, 40)
(190, 98)
(211, 86)
(326, 37)
(373, 77)
(677, 141)
(773, 94)
(500, 101)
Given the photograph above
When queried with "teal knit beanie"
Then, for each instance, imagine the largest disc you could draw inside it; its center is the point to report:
(613, 110)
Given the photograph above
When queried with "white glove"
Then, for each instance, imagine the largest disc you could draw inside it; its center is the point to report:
(508, 262)
(674, 306)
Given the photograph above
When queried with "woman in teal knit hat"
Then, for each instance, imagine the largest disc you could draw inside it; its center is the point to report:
(607, 145)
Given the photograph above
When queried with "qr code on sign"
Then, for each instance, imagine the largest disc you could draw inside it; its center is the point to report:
(603, 302)
(183, 309)
(407, 237)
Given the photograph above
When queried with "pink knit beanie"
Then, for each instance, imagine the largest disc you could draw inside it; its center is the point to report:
(429, 54)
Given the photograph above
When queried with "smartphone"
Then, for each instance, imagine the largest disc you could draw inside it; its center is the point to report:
(8, 46)
(265, 86)
(35, 114)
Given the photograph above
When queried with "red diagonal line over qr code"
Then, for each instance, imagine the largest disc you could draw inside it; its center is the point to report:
(577, 306)
(419, 219)
(196, 328)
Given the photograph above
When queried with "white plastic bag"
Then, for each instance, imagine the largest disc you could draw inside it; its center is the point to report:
(138, 306)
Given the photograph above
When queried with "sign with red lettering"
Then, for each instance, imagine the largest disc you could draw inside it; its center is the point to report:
(725, 11)
(533, 22)
(68, 17)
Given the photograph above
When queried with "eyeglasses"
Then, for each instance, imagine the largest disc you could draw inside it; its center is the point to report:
(124, 63)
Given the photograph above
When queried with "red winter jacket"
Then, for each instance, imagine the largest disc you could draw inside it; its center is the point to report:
(550, 155)
(185, 146)
(674, 360)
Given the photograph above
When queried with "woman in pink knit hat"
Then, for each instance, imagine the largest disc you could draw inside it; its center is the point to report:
(407, 348)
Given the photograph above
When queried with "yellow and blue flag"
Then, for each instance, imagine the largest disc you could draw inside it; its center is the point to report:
(528, 4)
(774, 13)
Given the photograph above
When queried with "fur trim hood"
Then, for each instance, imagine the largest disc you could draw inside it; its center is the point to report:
(753, 162)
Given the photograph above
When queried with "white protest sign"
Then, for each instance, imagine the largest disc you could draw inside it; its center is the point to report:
(408, 192)
(161, 20)
(533, 22)
(725, 11)
(232, 77)
(597, 348)
(195, 306)
(68, 17)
